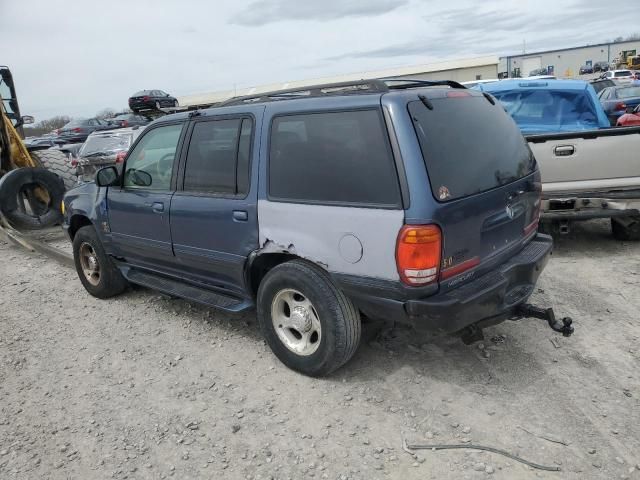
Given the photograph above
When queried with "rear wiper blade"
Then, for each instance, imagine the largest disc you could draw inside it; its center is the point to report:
(98, 154)
(425, 101)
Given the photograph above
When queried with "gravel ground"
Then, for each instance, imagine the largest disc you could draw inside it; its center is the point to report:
(142, 386)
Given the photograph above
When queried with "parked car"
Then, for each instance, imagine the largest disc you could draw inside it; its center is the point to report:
(39, 143)
(618, 76)
(602, 83)
(586, 69)
(589, 170)
(150, 100)
(77, 131)
(128, 120)
(549, 106)
(102, 149)
(630, 119)
(538, 71)
(618, 100)
(600, 67)
(305, 209)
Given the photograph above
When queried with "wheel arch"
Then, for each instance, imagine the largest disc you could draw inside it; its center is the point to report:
(76, 222)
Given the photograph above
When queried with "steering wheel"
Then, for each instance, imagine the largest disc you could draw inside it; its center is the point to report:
(163, 169)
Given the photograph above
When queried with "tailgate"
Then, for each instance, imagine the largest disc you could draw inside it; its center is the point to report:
(588, 161)
(484, 178)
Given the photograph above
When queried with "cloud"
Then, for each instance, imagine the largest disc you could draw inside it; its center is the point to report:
(262, 12)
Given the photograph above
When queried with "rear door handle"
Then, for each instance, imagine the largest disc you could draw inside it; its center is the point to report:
(564, 150)
(157, 207)
(240, 215)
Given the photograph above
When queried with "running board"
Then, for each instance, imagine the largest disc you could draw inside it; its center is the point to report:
(188, 292)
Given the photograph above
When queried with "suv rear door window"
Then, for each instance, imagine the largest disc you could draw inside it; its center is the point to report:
(469, 146)
(333, 158)
(218, 157)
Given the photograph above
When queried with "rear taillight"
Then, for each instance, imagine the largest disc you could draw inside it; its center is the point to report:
(77, 130)
(145, 99)
(418, 252)
(124, 123)
(120, 157)
(74, 162)
(620, 106)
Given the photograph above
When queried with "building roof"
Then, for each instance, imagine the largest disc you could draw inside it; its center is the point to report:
(220, 96)
(568, 49)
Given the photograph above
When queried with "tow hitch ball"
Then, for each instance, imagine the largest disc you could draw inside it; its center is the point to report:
(563, 326)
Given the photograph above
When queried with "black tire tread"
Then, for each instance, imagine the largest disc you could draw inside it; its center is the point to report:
(624, 233)
(348, 339)
(111, 282)
(57, 162)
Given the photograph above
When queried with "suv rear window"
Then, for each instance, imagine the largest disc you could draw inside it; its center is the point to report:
(333, 158)
(469, 146)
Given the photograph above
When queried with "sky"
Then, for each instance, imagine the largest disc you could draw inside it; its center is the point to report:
(76, 57)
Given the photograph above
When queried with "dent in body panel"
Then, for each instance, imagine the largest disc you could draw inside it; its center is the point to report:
(315, 232)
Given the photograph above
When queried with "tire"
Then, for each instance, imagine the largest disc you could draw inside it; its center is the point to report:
(17, 190)
(57, 162)
(317, 308)
(157, 105)
(107, 280)
(176, 104)
(626, 228)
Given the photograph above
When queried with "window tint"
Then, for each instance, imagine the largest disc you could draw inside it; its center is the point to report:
(154, 155)
(337, 157)
(623, 73)
(218, 157)
(469, 146)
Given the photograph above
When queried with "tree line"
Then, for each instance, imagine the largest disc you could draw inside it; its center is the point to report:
(49, 125)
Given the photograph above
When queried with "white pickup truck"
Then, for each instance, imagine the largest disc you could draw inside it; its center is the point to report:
(589, 170)
(592, 174)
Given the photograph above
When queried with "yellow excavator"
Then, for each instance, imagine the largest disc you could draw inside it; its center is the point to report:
(30, 189)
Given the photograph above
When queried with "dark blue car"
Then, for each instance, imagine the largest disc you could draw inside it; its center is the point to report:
(323, 206)
(619, 100)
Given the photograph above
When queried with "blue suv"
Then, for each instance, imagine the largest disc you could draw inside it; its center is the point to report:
(408, 201)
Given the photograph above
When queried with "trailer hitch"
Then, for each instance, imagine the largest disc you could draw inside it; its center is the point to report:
(563, 326)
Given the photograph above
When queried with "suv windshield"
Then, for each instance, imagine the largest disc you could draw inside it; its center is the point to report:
(536, 109)
(105, 144)
(469, 146)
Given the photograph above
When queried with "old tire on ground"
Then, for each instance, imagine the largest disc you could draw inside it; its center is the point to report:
(626, 228)
(309, 323)
(57, 162)
(97, 272)
(18, 188)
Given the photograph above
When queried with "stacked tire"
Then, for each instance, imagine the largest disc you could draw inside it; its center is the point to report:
(57, 161)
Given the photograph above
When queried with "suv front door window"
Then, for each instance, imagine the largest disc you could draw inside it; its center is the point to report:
(139, 210)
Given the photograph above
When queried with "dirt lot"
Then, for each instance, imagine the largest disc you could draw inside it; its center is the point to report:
(146, 387)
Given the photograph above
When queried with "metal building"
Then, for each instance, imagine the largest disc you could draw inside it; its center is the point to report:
(566, 62)
(458, 70)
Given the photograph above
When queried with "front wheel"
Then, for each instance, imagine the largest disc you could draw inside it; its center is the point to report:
(97, 272)
(309, 323)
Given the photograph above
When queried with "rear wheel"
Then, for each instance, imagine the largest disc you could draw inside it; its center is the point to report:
(157, 105)
(626, 228)
(175, 103)
(97, 272)
(309, 323)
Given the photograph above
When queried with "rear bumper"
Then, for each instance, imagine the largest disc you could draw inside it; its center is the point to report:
(490, 299)
(588, 205)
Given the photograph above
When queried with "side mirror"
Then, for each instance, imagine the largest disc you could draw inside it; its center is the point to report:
(139, 178)
(167, 95)
(27, 120)
(107, 177)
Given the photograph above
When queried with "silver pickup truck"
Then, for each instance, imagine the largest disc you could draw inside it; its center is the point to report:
(591, 174)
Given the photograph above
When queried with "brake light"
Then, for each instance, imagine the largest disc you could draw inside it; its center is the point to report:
(124, 123)
(145, 98)
(418, 253)
(120, 157)
(458, 94)
(77, 130)
(620, 106)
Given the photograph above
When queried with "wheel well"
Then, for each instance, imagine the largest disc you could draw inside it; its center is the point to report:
(76, 223)
(261, 265)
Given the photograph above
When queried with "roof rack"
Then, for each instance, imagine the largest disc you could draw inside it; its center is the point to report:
(342, 88)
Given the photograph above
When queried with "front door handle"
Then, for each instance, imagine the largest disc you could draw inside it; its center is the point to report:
(240, 215)
(157, 207)
(564, 150)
